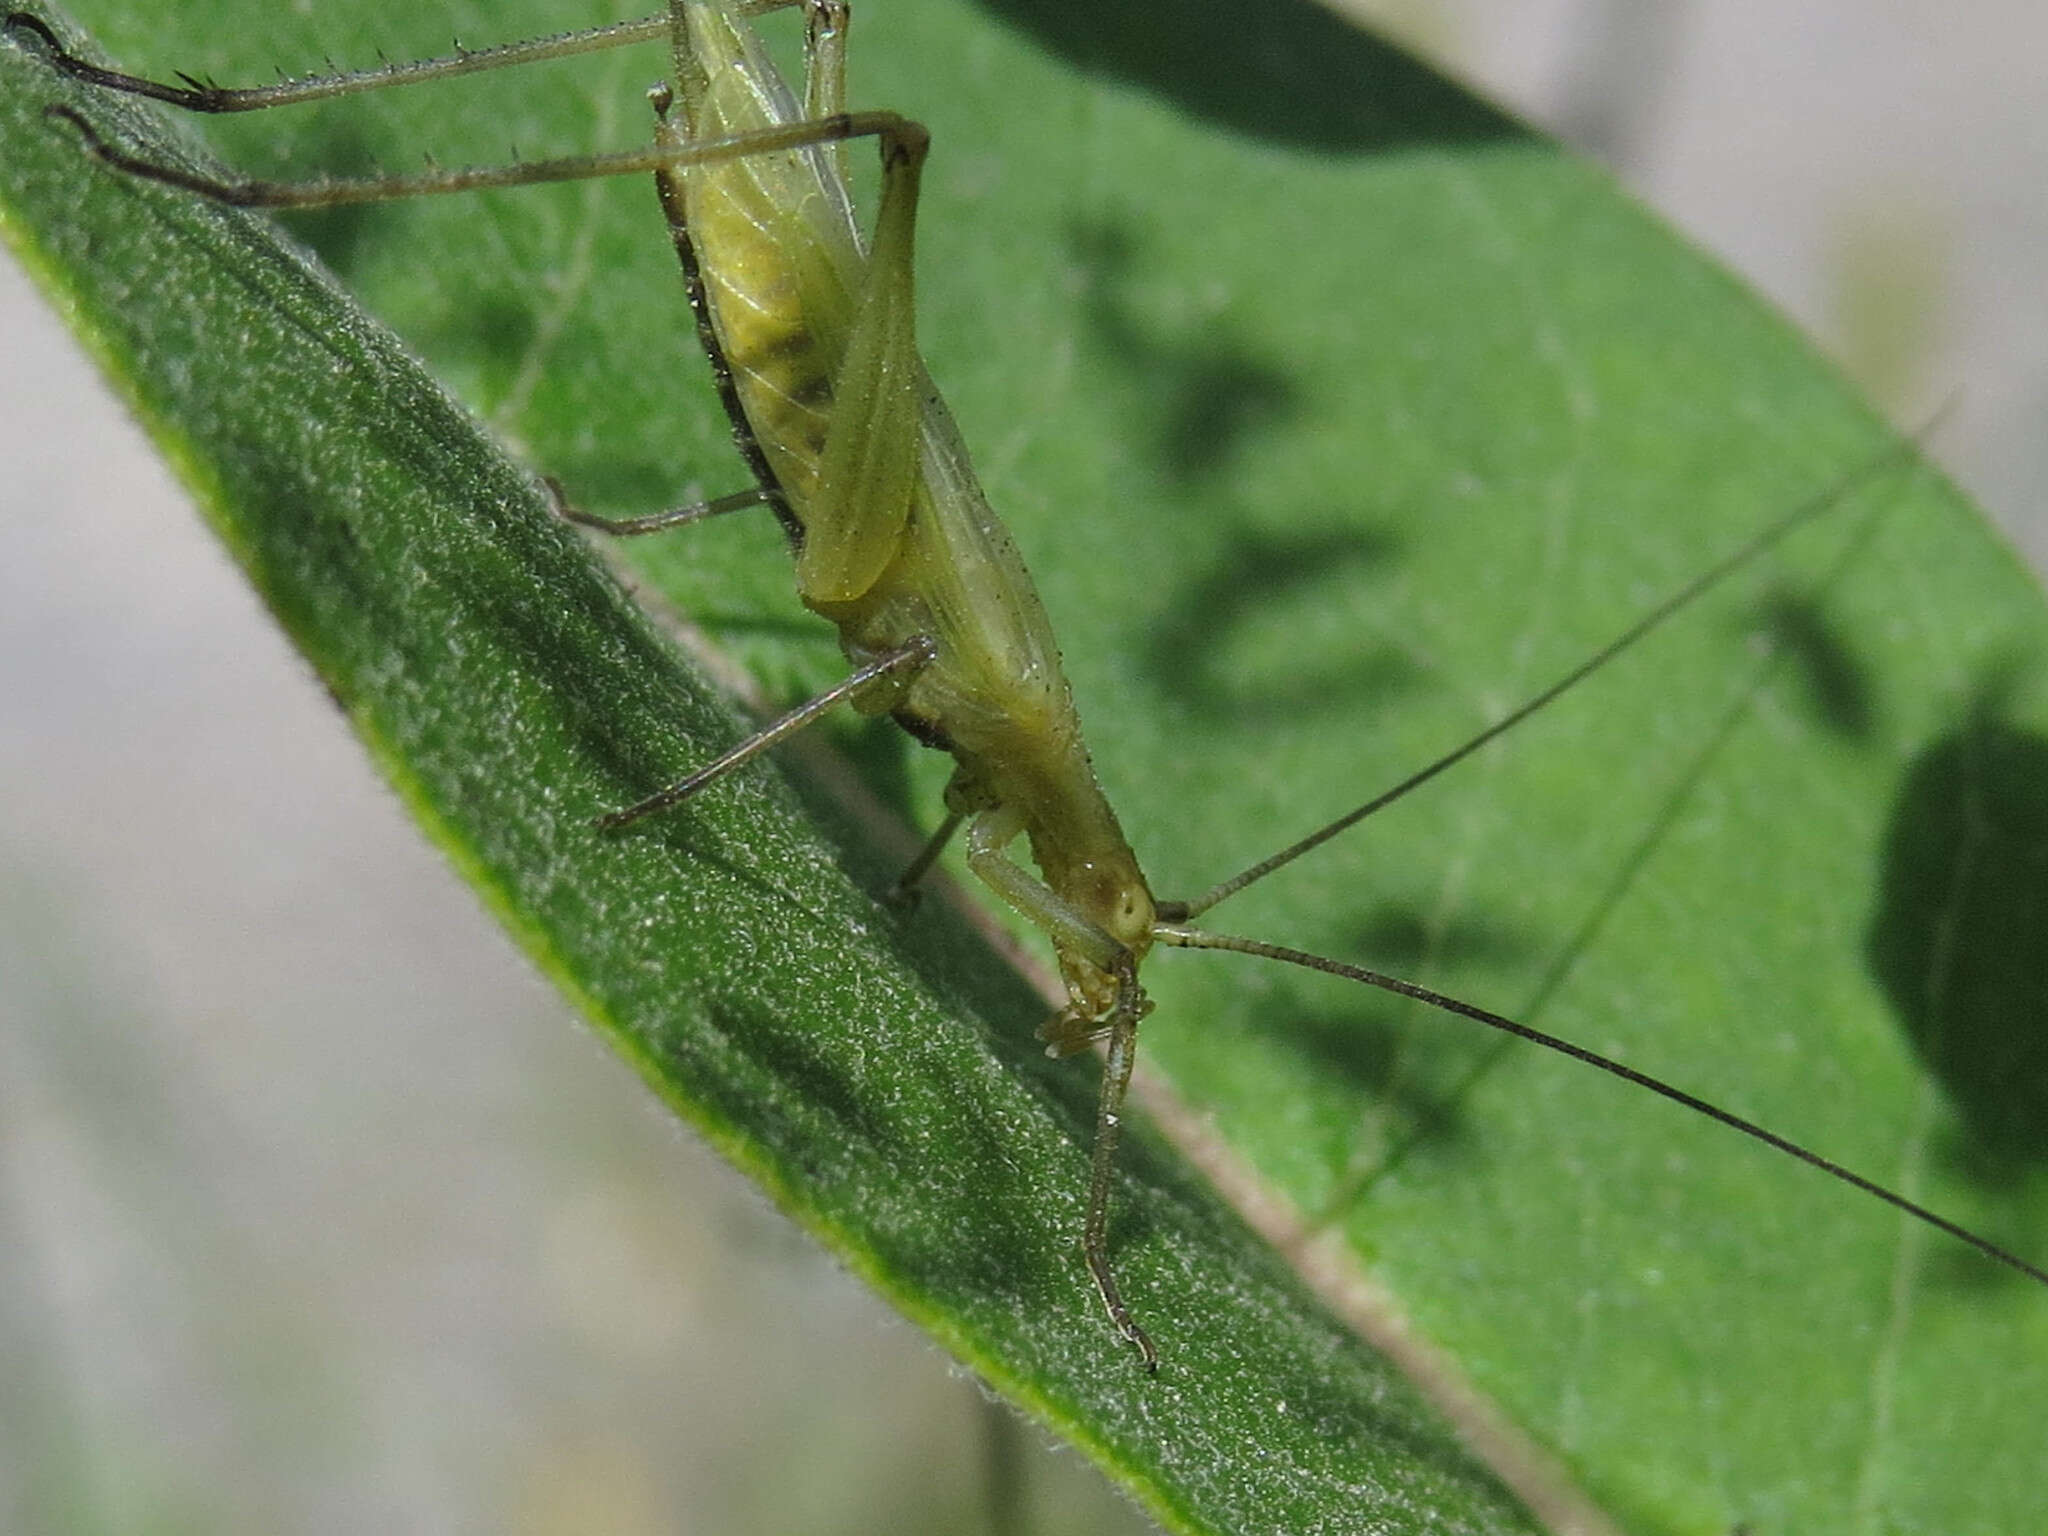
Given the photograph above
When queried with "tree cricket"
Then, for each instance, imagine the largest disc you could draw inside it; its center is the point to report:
(809, 325)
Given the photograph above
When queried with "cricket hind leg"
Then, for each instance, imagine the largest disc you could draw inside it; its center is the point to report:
(825, 47)
(198, 96)
(892, 129)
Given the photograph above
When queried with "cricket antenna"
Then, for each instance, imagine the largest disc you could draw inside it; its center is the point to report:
(1184, 937)
(1758, 544)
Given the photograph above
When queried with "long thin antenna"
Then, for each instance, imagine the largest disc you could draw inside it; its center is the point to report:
(1196, 938)
(1685, 595)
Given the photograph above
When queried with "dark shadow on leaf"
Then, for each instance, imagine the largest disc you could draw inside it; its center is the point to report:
(340, 235)
(1224, 395)
(1406, 1083)
(1958, 936)
(1282, 70)
(1401, 940)
(499, 329)
(1412, 1077)
(1205, 394)
(1834, 680)
(881, 751)
(1191, 645)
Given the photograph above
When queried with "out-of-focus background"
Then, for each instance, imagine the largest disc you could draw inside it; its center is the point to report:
(341, 1236)
(1880, 172)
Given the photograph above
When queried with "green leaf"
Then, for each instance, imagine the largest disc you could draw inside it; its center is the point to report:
(1335, 414)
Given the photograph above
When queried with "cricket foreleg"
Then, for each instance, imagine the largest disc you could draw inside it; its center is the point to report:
(1075, 936)
(1117, 1061)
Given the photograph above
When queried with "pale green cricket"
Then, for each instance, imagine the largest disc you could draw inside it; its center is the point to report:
(810, 327)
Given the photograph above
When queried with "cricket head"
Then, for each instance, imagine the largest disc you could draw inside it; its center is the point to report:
(1101, 992)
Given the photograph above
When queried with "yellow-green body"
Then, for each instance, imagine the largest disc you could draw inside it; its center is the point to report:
(894, 536)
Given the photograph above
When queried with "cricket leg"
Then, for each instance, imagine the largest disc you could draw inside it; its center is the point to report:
(654, 522)
(1074, 934)
(194, 96)
(891, 670)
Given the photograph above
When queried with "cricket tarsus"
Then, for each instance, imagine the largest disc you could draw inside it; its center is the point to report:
(811, 335)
